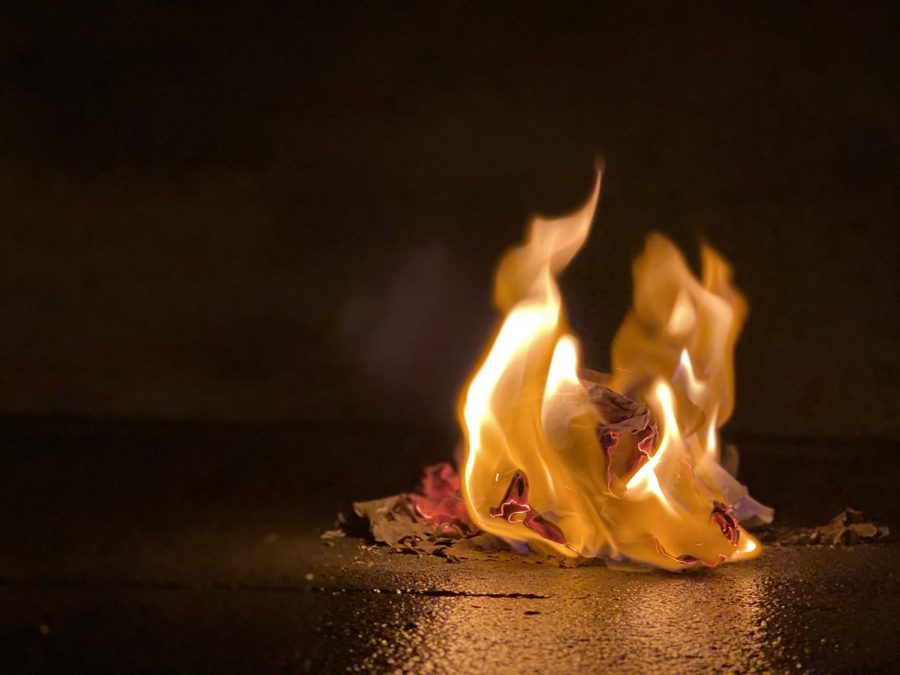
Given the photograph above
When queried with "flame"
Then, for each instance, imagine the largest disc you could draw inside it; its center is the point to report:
(537, 470)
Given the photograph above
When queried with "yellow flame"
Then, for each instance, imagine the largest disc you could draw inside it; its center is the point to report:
(645, 481)
(526, 412)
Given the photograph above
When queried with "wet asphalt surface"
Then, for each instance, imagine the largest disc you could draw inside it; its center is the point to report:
(194, 548)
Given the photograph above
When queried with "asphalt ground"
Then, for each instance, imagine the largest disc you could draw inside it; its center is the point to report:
(161, 547)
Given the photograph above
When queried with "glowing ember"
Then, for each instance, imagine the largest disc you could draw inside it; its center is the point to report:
(438, 499)
(625, 467)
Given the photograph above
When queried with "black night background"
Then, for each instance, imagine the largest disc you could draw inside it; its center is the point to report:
(246, 254)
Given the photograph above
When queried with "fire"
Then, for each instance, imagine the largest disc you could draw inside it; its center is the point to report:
(626, 466)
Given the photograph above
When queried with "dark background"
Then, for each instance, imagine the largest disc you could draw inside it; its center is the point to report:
(245, 213)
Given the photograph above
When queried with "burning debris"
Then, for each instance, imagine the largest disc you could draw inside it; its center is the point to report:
(396, 522)
(570, 463)
(432, 521)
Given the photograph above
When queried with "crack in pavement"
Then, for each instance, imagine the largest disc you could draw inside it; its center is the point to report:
(80, 584)
(438, 593)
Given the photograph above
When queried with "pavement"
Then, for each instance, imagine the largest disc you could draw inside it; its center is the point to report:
(188, 547)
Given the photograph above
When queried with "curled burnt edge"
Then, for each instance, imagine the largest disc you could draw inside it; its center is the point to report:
(620, 418)
(515, 503)
(723, 516)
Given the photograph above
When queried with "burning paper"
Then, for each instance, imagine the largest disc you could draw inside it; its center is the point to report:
(624, 467)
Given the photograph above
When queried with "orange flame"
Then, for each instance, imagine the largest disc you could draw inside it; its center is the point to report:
(535, 470)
